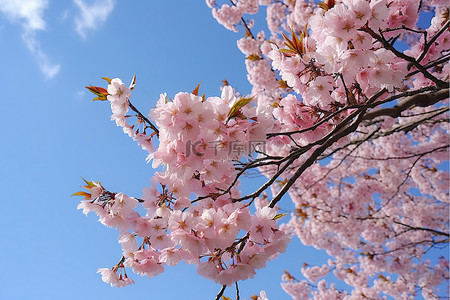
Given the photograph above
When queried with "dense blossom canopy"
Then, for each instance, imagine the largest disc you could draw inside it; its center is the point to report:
(348, 115)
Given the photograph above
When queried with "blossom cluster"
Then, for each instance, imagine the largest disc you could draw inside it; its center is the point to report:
(374, 216)
(319, 63)
(220, 236)
(118, 96)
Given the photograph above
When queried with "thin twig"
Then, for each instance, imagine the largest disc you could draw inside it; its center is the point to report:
(423, 229)
(220, 293)
(346, 130)
(433, 39)
(142, 117)
(379, 37)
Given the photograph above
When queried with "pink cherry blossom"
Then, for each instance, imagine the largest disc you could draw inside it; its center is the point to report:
(340, 121)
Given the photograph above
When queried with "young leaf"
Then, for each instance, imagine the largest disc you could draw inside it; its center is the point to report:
(86, 195)
(90, 184)
(234, 111)
(279, 216)
(329, 4)
(295, 45)
(253, 57)
(351, 98)
(133, 83)
(288, 275)
(283, 84)
(195, 91)
(323, 6)
(99, 91)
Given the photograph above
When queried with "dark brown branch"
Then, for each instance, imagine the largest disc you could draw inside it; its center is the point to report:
(352, 127)
(431, 64)
(420, 100)
(404, 94)
(139, 200)
(379, 37)
(423, 229)
(404, 127)
(441, 148)
(142, 117)
(269, 182)
(338, 132)
(327, 118)
(220, 293)
(372, 105)
(417, 98)
(342, 160)
(432, 243)
(313, 127)
(247, 29)
(299, 151)
(433, 39)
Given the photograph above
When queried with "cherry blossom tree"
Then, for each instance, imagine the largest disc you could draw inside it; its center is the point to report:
(347, 117)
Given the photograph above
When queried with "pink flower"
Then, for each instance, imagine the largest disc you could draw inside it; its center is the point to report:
(118, 91)
(144, 262)
(88, 206)
(361, 10)
(192, 244)
(249, 6)
(379, 13)
(341, 22)
(161, 240)
(249, 46)
(171, 256)
(123, 205)
(111, 277)
(228, 16)
(319, 92)
(313, 274)
(181, 220)
(128, 242)
(262, 296)
(208, 269)
(261, 229)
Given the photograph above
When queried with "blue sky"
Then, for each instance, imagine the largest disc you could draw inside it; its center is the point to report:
(54, 135)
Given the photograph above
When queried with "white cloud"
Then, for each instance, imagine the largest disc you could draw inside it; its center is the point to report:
(81, 95)
(29, 13)
(65, 15)
(92, 15)
(49, 70)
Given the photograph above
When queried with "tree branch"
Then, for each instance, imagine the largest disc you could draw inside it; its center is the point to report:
(379, 37)
(142, 117)
(220, 293)
(352, 127)
(420, 100)
(423, 229)
(433, 39)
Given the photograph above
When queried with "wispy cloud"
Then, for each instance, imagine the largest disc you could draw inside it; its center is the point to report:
(65, 15)
(48, 69)
(29, 13)
(92, 15)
